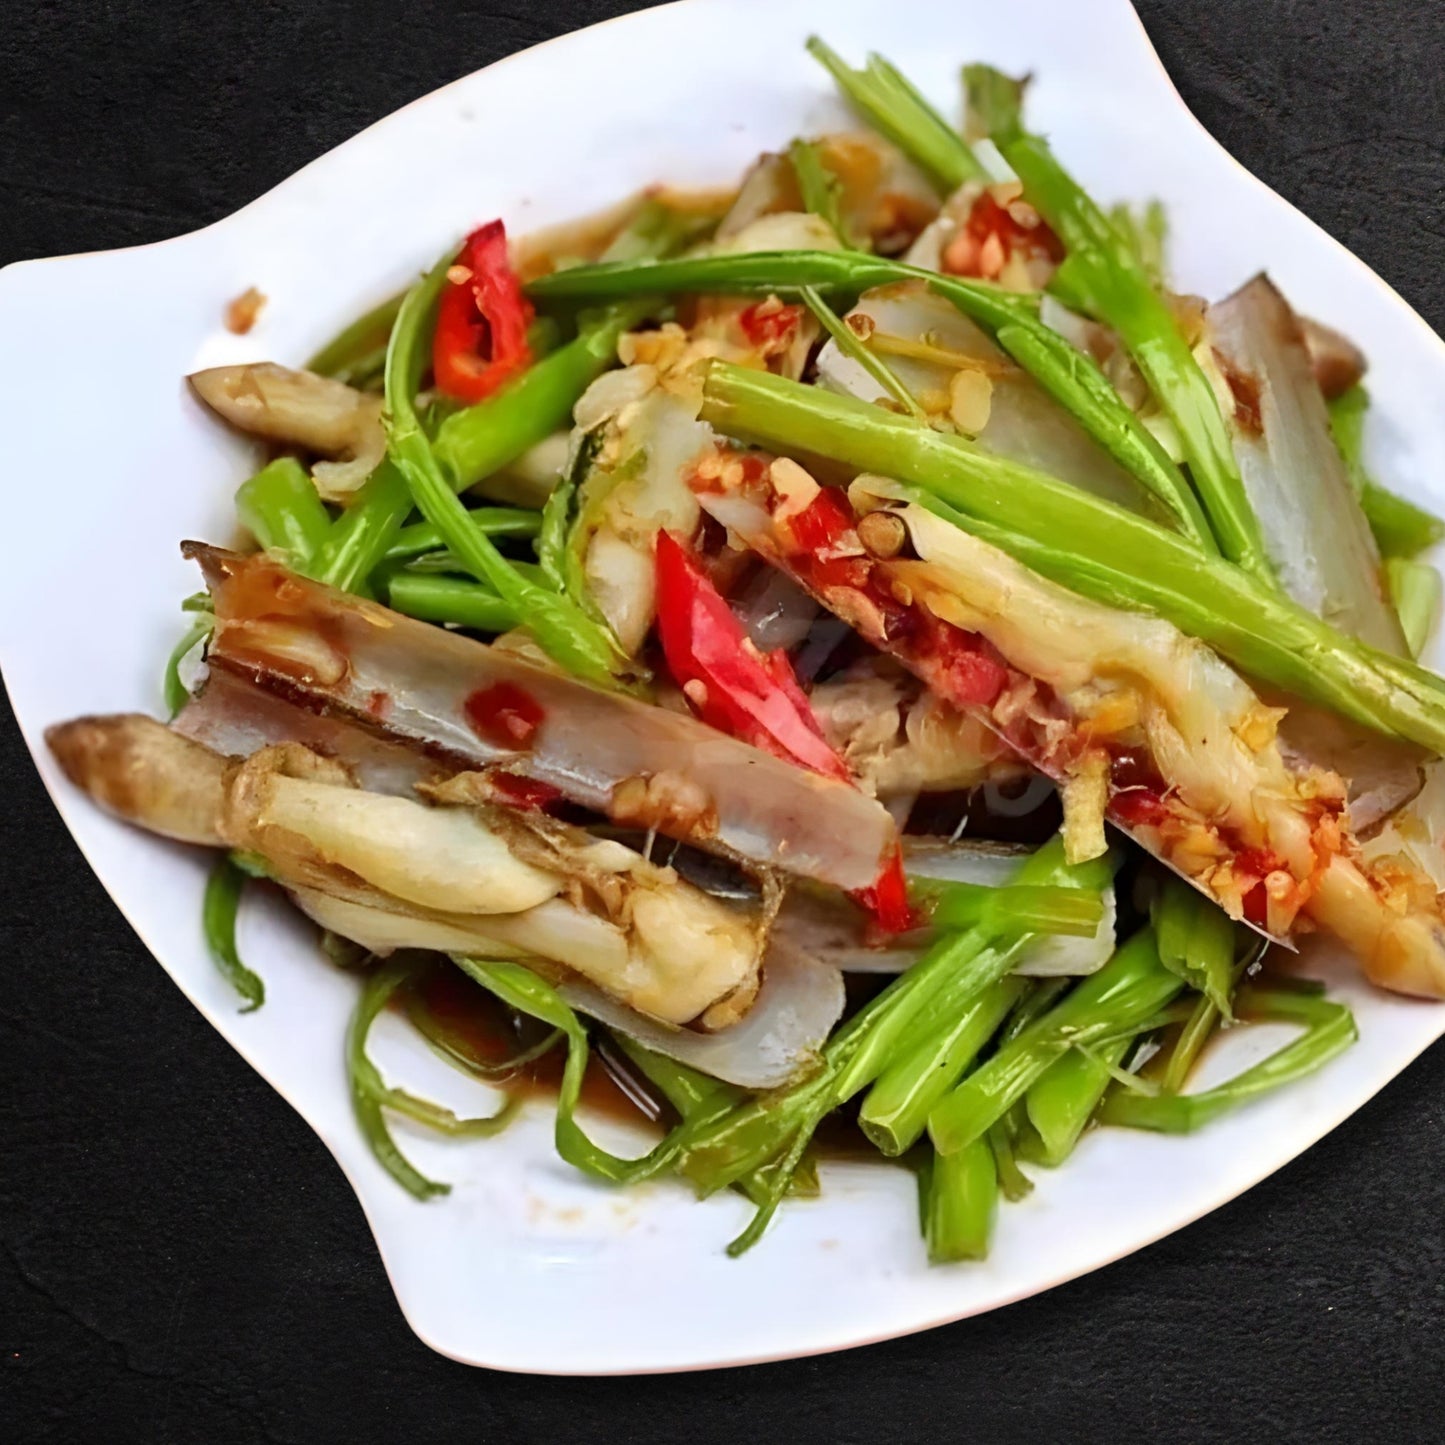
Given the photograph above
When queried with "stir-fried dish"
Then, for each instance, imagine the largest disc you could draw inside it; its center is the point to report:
(863, 648)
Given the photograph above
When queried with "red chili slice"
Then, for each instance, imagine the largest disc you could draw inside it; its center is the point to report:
(482, 320)
(729, 683)
(769, 325)
(751, 695)
(504, 714)
(1138, 808)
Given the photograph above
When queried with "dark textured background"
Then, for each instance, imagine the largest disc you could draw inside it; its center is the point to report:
(181, 1259)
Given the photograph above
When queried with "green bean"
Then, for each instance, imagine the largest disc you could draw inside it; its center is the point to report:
(219, 908)
(280, 509)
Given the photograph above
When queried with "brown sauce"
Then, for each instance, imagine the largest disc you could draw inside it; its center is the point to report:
(470, 1022)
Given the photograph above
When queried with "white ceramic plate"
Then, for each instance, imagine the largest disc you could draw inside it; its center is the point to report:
(595, 1281)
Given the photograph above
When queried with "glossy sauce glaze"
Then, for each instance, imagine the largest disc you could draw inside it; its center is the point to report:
(470, 1027)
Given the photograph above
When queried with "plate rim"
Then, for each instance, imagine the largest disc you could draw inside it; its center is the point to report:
(64, 799)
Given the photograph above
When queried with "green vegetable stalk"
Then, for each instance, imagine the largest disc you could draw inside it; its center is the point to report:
(1072, 379)
(280, 509)
(422, 537)
(479, 440)
(895, 1110)
(450, 600)
(219, 908)
(1329, 1029)
(1196, 941)
(1013, 1183)
(457, 1049)
(930, 1059)
(820, 189)
(371, 1096)
(519, 988)
(173, 690)
(357, 353)
(774, 1131)
(1401, 528)
(1032, 908)
(1105, 276)
(894, 108)
(1060, 1103)
(849, 343)
(1415, 592)
(1090, 546)
(958, 1200)
(1117, 1002)
(694, 1095)
(564, 631)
